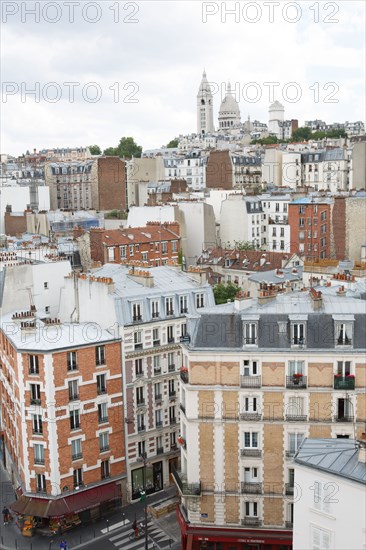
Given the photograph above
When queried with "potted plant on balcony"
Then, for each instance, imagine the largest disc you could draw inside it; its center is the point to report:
(181, 441)
(350, 377)
(297, 377)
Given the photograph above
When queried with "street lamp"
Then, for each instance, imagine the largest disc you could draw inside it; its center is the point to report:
(142, 458)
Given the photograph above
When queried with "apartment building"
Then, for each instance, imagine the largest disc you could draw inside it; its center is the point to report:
(147, 309)
(155, 244)
(310, 227)
(62, 423)
(258, 377)
(241, 220)
(276, 229)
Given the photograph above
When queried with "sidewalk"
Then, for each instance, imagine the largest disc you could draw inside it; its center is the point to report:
(80, 537)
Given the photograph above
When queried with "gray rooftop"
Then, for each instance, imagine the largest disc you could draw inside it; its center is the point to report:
(333, 456)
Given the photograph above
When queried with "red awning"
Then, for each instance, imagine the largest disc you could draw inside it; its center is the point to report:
(77, 502)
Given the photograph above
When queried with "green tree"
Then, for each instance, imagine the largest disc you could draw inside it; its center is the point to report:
(301, 134)
(173, 143)
(128, 148)
(270, 140)
(223, 293)
(110, 152)
(95, 150)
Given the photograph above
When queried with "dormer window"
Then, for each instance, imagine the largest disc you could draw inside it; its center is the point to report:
(298, 330)
(343, 329)
(250, 330)
(136, 312)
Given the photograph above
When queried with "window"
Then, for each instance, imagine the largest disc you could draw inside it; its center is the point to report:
(37, 426)
(72, 360)
(250, 368)
(100, 355)
(250, 405)
(322, 496)
(141, 423)
(33, 364)
(296, 367)
(137, 339)
(104, 469)
(154, 309)
(302, 209)
(104, 442)
(301, 222)
(131, 249)
(200, 300)
(323, 216)
(172, 388)
(159, 445)
(250, 333)
(156, 339)
(101, 384)
(344, 368)
(144, 256)
(158, 418)
(173, 440)
(76, 452)
(75, 419)
(183, 329)
(251, 440)
(45, 285)
(110, 251)
(38, 454)
(41, 483)
(157, 391)
(73, 390)
(183, 305)
(251, 475)
(136, 312)
(170, 334)
(140, 396)
(157, 367)
(78, 477)
(298, 334)
(174, 246)
(295, 407)
(35, 390)
(343, 334)
(294, 442)
(320, 538)
(169, 306)
(122, 252)
(344, 410)
(47, 309)
(141, 448)
(171, 365)
(164, 248)
(102, 413)
(251, 509)
(138, 367)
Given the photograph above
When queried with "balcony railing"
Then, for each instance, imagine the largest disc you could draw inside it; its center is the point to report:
(250, 381)
(102, 390)
(158, 397)
(251, 487)
(136, 318)
(289, 488)
(104, 449)
(254, 453)
(172, 421)
(172, 393)
(344, 383)
(159, 423)
(102, 419)
(255, 522)
(156, 343)
(171, 368)
(189, 489)
(250, 416)
(157, 370)
(141, 428)
(296, 417)
(35, 401)
(39, 461)
(140, 403)
(343, 418)
(77, 456)
(160, 450)
(171, 340)
(296, 382)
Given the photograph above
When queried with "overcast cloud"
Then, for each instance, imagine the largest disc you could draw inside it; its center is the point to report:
(147, 72)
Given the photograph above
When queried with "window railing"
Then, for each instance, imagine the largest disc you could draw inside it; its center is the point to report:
(172, 421)
(39, 460)
(250, 341)
(104, 448)
(296, 381)
(189, 489)
(138, 345)
(184, 376)
(157, 370)
(171, 368)
(289, 488)
(141, 428)
(251, 487)
(254, 453)
(248, 416)
(171, 339)
(72, 366)
(249, 520)
(343, 418)
(140, 403)
(74, 396)
(136, 318)
(296, 417)
(101, 390)
(158, 397)
(160, 450)
(158, 423)
(156, 343)
(344, 382)
(77, 456)
(172, 393)
(250, 381)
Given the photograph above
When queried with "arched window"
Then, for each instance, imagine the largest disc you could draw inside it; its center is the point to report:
(202, 102)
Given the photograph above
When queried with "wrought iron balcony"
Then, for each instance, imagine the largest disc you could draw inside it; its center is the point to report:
(343, 418)
(289, 488)
(255, 453)
(186, 489)
(296, 418)
(250, 381)
(184, 376)
(344, 382)
(171, 368)
(250, 416)
(77, 456)
(160, 450)
(296, 381)
(251, 487)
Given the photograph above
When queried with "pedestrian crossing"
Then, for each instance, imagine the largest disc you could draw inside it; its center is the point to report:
(157, 538)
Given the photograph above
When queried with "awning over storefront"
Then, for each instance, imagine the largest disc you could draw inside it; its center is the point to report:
(75, 503)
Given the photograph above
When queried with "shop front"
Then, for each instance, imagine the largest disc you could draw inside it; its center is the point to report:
(215, 538)
(153, 474)
(58, 515)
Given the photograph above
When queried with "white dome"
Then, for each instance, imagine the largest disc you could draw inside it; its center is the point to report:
(229, 105)
(276, 106)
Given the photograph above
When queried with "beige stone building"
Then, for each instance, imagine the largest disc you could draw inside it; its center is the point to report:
(258, 377)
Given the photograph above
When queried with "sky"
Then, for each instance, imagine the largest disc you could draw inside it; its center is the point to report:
(77, 73)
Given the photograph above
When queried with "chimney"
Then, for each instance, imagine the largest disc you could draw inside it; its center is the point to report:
(362, 448)
(317, 298)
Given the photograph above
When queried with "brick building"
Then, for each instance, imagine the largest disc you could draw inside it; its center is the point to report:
(258, 377)
(15, 223)
(61, 419)
(219, 170)
(155, 244)
(310, 227)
